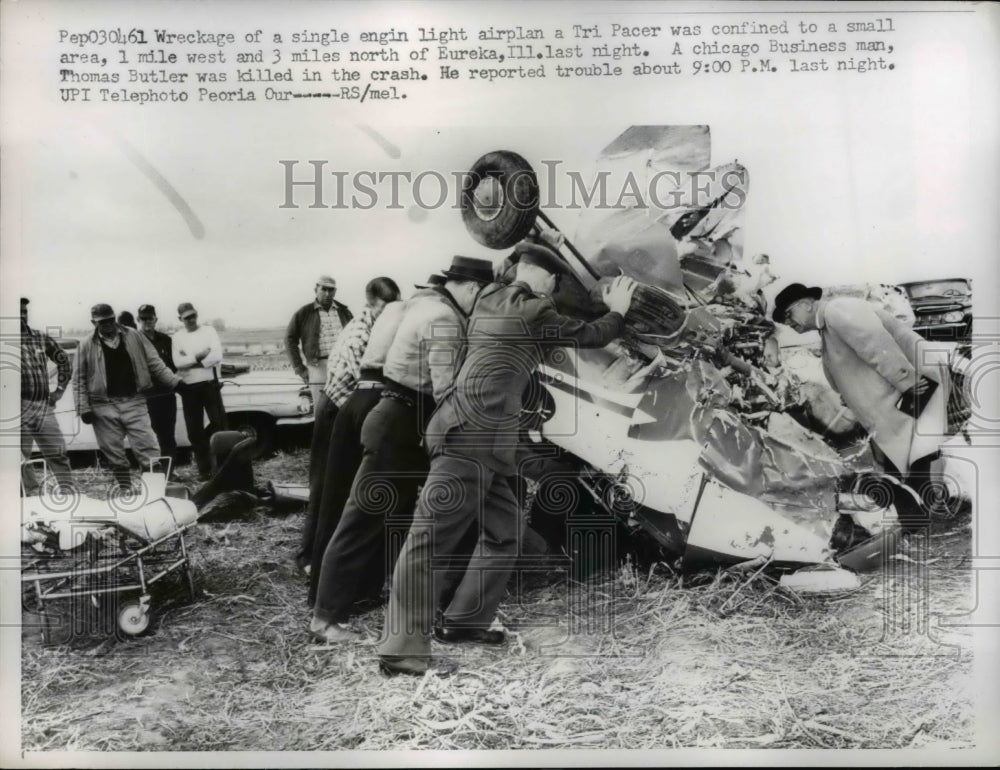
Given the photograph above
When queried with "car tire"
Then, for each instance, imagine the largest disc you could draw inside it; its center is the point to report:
(500, 199)
(260, 427)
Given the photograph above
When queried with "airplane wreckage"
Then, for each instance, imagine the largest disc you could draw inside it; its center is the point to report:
(687, 435)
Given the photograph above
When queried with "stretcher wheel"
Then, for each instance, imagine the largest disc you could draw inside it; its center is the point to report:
(133, 619)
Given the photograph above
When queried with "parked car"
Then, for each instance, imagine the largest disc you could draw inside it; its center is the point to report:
(257, 404)
(943, 308)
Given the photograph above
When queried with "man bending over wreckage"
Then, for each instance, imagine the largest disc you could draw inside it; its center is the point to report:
(872, 359)
(472, 439)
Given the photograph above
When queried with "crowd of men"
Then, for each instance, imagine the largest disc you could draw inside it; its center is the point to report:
(124, 383)
(418, 415)
(421, 403)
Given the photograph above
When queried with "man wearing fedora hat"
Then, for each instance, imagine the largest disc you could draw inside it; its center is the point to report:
(312, 333)
(472, 440)
(873, 360)
(115, 366)
(419, 367)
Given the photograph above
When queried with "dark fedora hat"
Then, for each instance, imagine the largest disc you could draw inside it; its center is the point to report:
(469, 269)
(432, 280)
(541, 256)
(790, 295)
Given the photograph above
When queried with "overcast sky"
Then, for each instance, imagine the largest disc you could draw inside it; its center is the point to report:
(863, 179)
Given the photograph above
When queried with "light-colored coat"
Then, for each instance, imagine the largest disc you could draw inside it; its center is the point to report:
(871, 359)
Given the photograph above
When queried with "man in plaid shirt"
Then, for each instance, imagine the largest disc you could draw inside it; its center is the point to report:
(342, 377)
(38, 420)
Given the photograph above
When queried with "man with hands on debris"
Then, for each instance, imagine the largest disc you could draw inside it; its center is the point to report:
(873, 360)
(472, 440)
(419, 368)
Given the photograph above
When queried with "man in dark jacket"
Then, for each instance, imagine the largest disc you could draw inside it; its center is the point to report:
(161, 401)
(472, 439)
(314, 328)
(114, 368)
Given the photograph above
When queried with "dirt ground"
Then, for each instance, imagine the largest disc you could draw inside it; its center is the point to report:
(718, 662)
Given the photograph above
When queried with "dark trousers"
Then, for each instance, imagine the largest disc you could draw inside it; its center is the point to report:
(910, 502)
(199, 399)
(324, 417)
(163, 417)
(460, 491)
(377, 516)
(343, 458)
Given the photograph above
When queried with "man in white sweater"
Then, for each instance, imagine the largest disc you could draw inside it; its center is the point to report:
(197, 350)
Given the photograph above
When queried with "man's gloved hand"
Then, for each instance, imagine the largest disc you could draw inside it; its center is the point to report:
(55, 395)
(303, 375)
(915, 398)
(87, 418)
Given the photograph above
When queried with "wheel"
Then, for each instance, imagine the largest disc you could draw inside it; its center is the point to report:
(133, 619)
(500, 199)
(259, 427)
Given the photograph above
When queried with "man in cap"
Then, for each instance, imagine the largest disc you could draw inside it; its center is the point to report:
(197, 351)
(160, 401)
(314, 328)
(115, 367)
(872, 359)
(472, 440)
(38, 420)
(419, 368)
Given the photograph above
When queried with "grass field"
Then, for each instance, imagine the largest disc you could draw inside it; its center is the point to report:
(725, 661)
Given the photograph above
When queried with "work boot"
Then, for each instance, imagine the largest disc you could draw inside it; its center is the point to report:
(123, 480)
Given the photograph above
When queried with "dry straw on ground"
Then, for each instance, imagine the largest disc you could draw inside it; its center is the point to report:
(732, 661)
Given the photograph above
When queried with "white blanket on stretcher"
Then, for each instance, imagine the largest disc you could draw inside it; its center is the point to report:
(150, 516)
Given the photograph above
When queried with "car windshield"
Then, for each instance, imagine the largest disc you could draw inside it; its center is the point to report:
(937, 289)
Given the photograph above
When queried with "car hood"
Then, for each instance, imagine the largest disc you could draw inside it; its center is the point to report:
(267, 378)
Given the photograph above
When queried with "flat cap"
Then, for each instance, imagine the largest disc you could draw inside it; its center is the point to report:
(101, 312)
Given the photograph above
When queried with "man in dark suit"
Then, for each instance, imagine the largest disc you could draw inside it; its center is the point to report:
(161, 402)
(472, 440)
